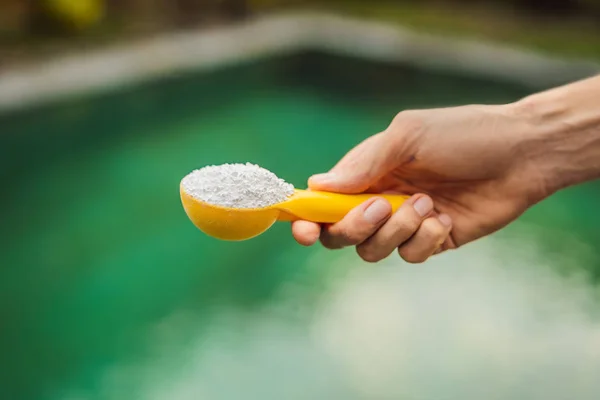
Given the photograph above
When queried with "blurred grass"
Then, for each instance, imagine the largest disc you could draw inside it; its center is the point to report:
(568, 36)
(573, 38)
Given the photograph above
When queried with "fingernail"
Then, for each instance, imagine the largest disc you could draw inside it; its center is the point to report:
(322, 178)
(423, 206)
(377, 211)
(445, 219)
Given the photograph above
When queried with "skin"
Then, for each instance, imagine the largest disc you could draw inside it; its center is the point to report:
(471, 170)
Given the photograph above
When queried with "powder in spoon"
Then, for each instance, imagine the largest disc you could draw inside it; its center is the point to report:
(237, 186)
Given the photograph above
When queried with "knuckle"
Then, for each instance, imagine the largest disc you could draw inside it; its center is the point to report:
(409, 121)
(328, 241)
(341, 236)
(433, 230)
(407, 129)
(360, 173)
(526, 107)
(352, 237)
(367, 254)
(411, 256)
(405, 220)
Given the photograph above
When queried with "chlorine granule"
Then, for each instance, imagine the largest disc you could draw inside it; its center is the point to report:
(237, 186)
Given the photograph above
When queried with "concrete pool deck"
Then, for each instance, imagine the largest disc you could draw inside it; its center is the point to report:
(133, 63)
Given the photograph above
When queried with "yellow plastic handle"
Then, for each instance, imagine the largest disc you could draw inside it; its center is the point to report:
(326, 207)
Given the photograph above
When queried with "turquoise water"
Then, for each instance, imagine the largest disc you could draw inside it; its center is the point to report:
(96, 249)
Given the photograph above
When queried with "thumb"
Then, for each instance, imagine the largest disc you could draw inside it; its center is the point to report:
(358, 170)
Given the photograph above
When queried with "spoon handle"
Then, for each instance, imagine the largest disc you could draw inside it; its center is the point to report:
(326, 207)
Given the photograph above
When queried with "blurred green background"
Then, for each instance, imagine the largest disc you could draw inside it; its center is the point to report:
(95, 248)
(563, 27)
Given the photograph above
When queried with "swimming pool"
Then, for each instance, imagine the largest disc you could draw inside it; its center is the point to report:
(96, 250)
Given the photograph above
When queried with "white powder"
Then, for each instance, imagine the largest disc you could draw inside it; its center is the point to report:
(237, 186)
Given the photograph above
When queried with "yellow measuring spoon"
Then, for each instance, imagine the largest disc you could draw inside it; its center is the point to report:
(245, 223)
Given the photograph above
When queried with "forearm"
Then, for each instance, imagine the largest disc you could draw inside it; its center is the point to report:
(563, 133)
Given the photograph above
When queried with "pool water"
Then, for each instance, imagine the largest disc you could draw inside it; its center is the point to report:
(96, 249)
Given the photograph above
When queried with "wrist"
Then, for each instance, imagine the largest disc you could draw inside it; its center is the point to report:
(560, 135)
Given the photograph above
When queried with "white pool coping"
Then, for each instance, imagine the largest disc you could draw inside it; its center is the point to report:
(133, 63)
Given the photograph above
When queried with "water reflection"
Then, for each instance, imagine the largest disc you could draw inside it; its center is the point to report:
(496, 320)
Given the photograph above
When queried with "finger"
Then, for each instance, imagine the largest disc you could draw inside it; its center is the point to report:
(447, 245)
(430, 237)
(397, 230)
(359, 169)
(306, 233)
(358, 225)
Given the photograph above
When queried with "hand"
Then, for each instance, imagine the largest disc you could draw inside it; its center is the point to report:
(466, 168)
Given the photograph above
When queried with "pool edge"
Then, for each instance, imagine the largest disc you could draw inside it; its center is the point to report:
(101, 70)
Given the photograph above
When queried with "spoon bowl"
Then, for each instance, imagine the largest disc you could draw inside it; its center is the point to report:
(226, 223)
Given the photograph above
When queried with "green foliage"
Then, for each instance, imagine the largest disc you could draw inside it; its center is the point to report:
(575, 36)
(563, 27)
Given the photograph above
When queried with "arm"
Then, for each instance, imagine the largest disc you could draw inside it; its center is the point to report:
(564, 139)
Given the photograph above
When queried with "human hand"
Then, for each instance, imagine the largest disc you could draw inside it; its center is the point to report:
(467, 168)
